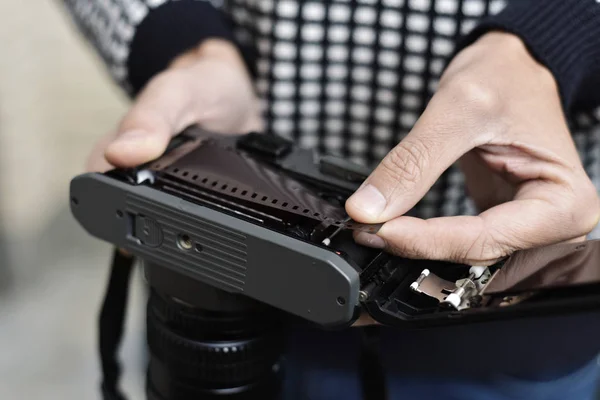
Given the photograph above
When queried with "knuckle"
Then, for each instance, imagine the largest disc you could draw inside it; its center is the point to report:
(487, 247)
(410, 246)
(492, 249)
(585, 208)
(475, 96)
(411, 249)
(405, 163)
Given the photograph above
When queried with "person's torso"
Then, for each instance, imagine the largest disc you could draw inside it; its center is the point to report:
(351, 77)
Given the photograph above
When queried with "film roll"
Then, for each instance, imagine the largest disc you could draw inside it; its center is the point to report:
(209, 166)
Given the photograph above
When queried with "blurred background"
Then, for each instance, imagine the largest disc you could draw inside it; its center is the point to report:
(55, 101)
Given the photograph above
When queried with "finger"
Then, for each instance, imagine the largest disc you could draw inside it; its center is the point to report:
(163, 109)
(486, 188)
(577, 239)
(364, 320)
(410, 169)
(96, 161)
(477, 240)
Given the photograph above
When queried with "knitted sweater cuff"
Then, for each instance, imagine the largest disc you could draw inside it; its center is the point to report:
(563, 35)
(167, 32)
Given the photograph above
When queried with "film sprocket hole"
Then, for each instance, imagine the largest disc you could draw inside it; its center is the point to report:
(252, 225)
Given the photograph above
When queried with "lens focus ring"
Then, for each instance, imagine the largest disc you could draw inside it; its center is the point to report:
(237, 360)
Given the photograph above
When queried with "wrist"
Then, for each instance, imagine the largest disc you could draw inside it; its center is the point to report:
(497, 62)
(219, 49)
(516, 56)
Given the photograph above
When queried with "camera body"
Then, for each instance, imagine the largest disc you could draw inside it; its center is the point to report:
(256, 215)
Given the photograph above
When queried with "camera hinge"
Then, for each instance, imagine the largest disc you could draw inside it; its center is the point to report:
(460, 295)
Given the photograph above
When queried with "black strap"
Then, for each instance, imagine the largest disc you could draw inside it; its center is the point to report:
(372, 376)
(111, 322)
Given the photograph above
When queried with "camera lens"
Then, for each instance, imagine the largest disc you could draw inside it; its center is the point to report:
(209, 354)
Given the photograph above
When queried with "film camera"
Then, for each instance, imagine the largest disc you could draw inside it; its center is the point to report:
(241, 233)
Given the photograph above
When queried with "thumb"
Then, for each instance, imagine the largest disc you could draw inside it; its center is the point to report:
(163, 109)
(405, 174)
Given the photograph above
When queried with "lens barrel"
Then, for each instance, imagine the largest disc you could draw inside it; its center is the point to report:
(198, 353)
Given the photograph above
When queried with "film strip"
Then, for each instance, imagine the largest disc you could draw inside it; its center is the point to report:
(222, 169)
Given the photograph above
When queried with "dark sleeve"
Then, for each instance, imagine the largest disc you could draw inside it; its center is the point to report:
(563, 35)
(139, 38)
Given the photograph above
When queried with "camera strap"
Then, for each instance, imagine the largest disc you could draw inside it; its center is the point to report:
(111, 323)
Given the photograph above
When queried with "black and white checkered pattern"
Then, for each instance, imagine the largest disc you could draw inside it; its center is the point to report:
(351, 77)
(345, 76)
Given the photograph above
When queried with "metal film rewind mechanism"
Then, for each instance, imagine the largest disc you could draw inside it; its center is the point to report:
(236, 225)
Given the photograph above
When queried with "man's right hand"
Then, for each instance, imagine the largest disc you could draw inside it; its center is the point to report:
(209, 86)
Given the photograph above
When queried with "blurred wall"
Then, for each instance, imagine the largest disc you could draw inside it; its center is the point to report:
(55, 101)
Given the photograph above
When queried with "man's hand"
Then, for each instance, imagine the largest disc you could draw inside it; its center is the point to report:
(209, 86)
(499, 112)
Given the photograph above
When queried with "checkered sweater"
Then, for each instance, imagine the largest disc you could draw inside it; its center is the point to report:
(352, 76)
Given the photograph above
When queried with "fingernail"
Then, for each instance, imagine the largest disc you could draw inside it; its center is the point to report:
(369, 240)
(369, 201)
